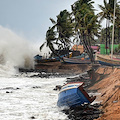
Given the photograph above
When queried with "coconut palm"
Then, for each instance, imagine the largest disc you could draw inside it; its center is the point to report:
(51, 42)
(85, 23)
(90, 30)
(64, 29)
(107, 13)
(117, 23)
(50, 39)
(58, 37)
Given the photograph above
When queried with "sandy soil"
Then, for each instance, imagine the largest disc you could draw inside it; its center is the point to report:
(109, 87)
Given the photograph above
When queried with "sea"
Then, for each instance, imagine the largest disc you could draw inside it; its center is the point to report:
(23, 97)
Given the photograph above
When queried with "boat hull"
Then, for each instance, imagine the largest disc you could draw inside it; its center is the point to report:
(107, 64)
(72, 96)
(107, 61)
(76, 61)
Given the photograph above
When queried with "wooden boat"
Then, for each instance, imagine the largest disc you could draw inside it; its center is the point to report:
(45, 60)
(73, 94)
(106, 60)
(83, 55)
(38, 59)
(76, 60)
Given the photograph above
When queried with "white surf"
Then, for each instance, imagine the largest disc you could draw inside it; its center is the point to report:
(21, 97)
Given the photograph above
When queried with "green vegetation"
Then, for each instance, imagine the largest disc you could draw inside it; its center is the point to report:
(117, 50)
(83, 26)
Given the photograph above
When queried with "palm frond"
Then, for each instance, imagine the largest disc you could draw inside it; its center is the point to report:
(52, 20)
(42, 46)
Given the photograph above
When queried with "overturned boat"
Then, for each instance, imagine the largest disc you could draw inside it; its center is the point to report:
(73, 94)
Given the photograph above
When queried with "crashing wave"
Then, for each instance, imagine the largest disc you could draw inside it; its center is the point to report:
(15, 51)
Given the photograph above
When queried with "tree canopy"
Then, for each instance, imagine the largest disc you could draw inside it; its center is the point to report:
(83, 26)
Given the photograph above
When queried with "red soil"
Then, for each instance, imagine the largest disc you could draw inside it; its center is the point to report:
(109, 87)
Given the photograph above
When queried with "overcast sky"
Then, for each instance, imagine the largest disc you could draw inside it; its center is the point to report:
(30, 18)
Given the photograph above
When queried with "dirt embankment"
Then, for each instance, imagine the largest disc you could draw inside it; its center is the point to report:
(107, 82)
(59, 67)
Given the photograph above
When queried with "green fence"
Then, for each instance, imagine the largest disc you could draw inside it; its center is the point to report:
(104, 51)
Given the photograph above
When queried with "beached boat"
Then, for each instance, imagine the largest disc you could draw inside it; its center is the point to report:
(76, 60)
(82, 56)
(45, 60)
(39, 59)
(73, 94)
(106, 60)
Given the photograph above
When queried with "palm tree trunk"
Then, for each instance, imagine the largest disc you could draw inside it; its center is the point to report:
(87, 47)
(90, 49)
(109, 33)
(55, 53)
(106, 36)
(119, 36)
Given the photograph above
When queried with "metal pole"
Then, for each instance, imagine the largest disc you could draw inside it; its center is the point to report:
(113, 29)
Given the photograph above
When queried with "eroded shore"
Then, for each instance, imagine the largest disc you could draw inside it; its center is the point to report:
(104, 80)
(107, 83)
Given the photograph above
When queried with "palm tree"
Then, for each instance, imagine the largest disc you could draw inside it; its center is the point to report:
(107, 13)
(58, 37)
(64, 29)
(50, 40)
(117, 23)
(85, 23)
(90, 30)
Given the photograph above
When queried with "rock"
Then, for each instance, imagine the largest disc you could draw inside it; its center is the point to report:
(36, 87)
(8, 92)
(32, 117)
(58, 87)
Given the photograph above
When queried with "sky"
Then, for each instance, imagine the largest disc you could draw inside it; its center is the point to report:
(30, 18)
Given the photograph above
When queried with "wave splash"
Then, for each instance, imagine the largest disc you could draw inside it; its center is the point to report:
(15, 51)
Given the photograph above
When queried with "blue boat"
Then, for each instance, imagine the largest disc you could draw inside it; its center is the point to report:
(73, 94)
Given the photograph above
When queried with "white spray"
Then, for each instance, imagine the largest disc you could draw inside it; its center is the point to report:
(15, 51)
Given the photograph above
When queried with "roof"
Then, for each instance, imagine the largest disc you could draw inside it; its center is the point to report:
(78, 48)
(94, 47)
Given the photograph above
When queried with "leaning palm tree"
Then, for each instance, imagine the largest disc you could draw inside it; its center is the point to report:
(90, 30)
(50, 40)
(58, 37)
(85, 22)
(64, 28)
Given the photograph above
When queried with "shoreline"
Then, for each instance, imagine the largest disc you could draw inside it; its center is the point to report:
(56, 69)
(104, 80)
(108, 85)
